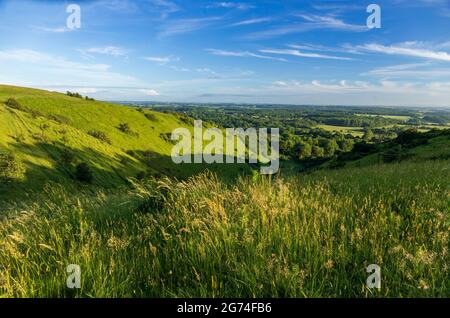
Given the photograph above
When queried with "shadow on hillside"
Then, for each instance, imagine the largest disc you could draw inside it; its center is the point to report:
(47, 165)
(160, 165)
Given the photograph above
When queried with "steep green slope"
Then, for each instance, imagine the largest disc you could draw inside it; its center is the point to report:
(47, 124)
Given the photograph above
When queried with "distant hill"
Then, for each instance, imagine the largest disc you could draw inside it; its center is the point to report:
(50, 133)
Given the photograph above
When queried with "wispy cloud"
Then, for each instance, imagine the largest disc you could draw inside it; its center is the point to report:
(310, 22)
(31, 56)
(162, 59)
(61, 70)
(413, 70)
(161, 7)
(181, 26)
(243, 54)
(149, 92)
(165, 7)
(252, 21)
(331, 22)
(231, 5)
(107, 50)
(406, 49)
(302, 54)
(53, 30)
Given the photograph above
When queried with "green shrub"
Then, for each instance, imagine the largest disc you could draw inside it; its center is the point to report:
(77, 95)
(13, 103)
(100, 135)
(10, 167)
(67, 157)
(151, 117)
(125, 128)
(83, 173)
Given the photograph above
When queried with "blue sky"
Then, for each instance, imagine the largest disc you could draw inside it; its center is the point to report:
(262, 51)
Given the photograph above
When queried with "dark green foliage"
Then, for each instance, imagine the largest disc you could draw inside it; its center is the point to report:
(411, 138)
(368, 135)
(141, 175)
(100, 135)
(394, 154)
(151, 117)
(67, 157)
(77, 95)
(10, 167)
(13, 103)
(124, 127)
(83, 173)
(167, 137)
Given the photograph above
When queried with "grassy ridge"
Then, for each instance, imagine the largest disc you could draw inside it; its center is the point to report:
(49, 123)
(298, 237)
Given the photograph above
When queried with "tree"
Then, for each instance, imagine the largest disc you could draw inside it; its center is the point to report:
(346, 145)
(318, 152)
(330, 147)
(368, 135)
(83, 173)
(305, 150)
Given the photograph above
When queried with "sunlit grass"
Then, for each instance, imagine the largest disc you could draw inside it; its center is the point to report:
(308, 236)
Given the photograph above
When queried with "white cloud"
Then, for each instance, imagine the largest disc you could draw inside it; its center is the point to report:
(30, 56)
(54, 30)
(313, 22)
(36, 68)
(231, 5)
(413, 49)
(181, 26)
(149, 92)
(417, 70)
(107, 50)
(205, 70)
(162, 59)
(300, 54)
(86, 90)
(243, 54)
(252, 21)
(166, 7)
(330, 22)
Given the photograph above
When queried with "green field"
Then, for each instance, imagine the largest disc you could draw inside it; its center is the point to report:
(397, 117)
(355, 131)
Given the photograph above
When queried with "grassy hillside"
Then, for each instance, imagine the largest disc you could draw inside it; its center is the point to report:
(291, 235)
(411, 145)
(47, 124)
(306, 236)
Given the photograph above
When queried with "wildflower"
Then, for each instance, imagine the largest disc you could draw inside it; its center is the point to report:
(329, 264)
(153, 249)
(423, 285)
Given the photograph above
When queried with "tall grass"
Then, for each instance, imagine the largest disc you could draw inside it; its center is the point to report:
(309, 236)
